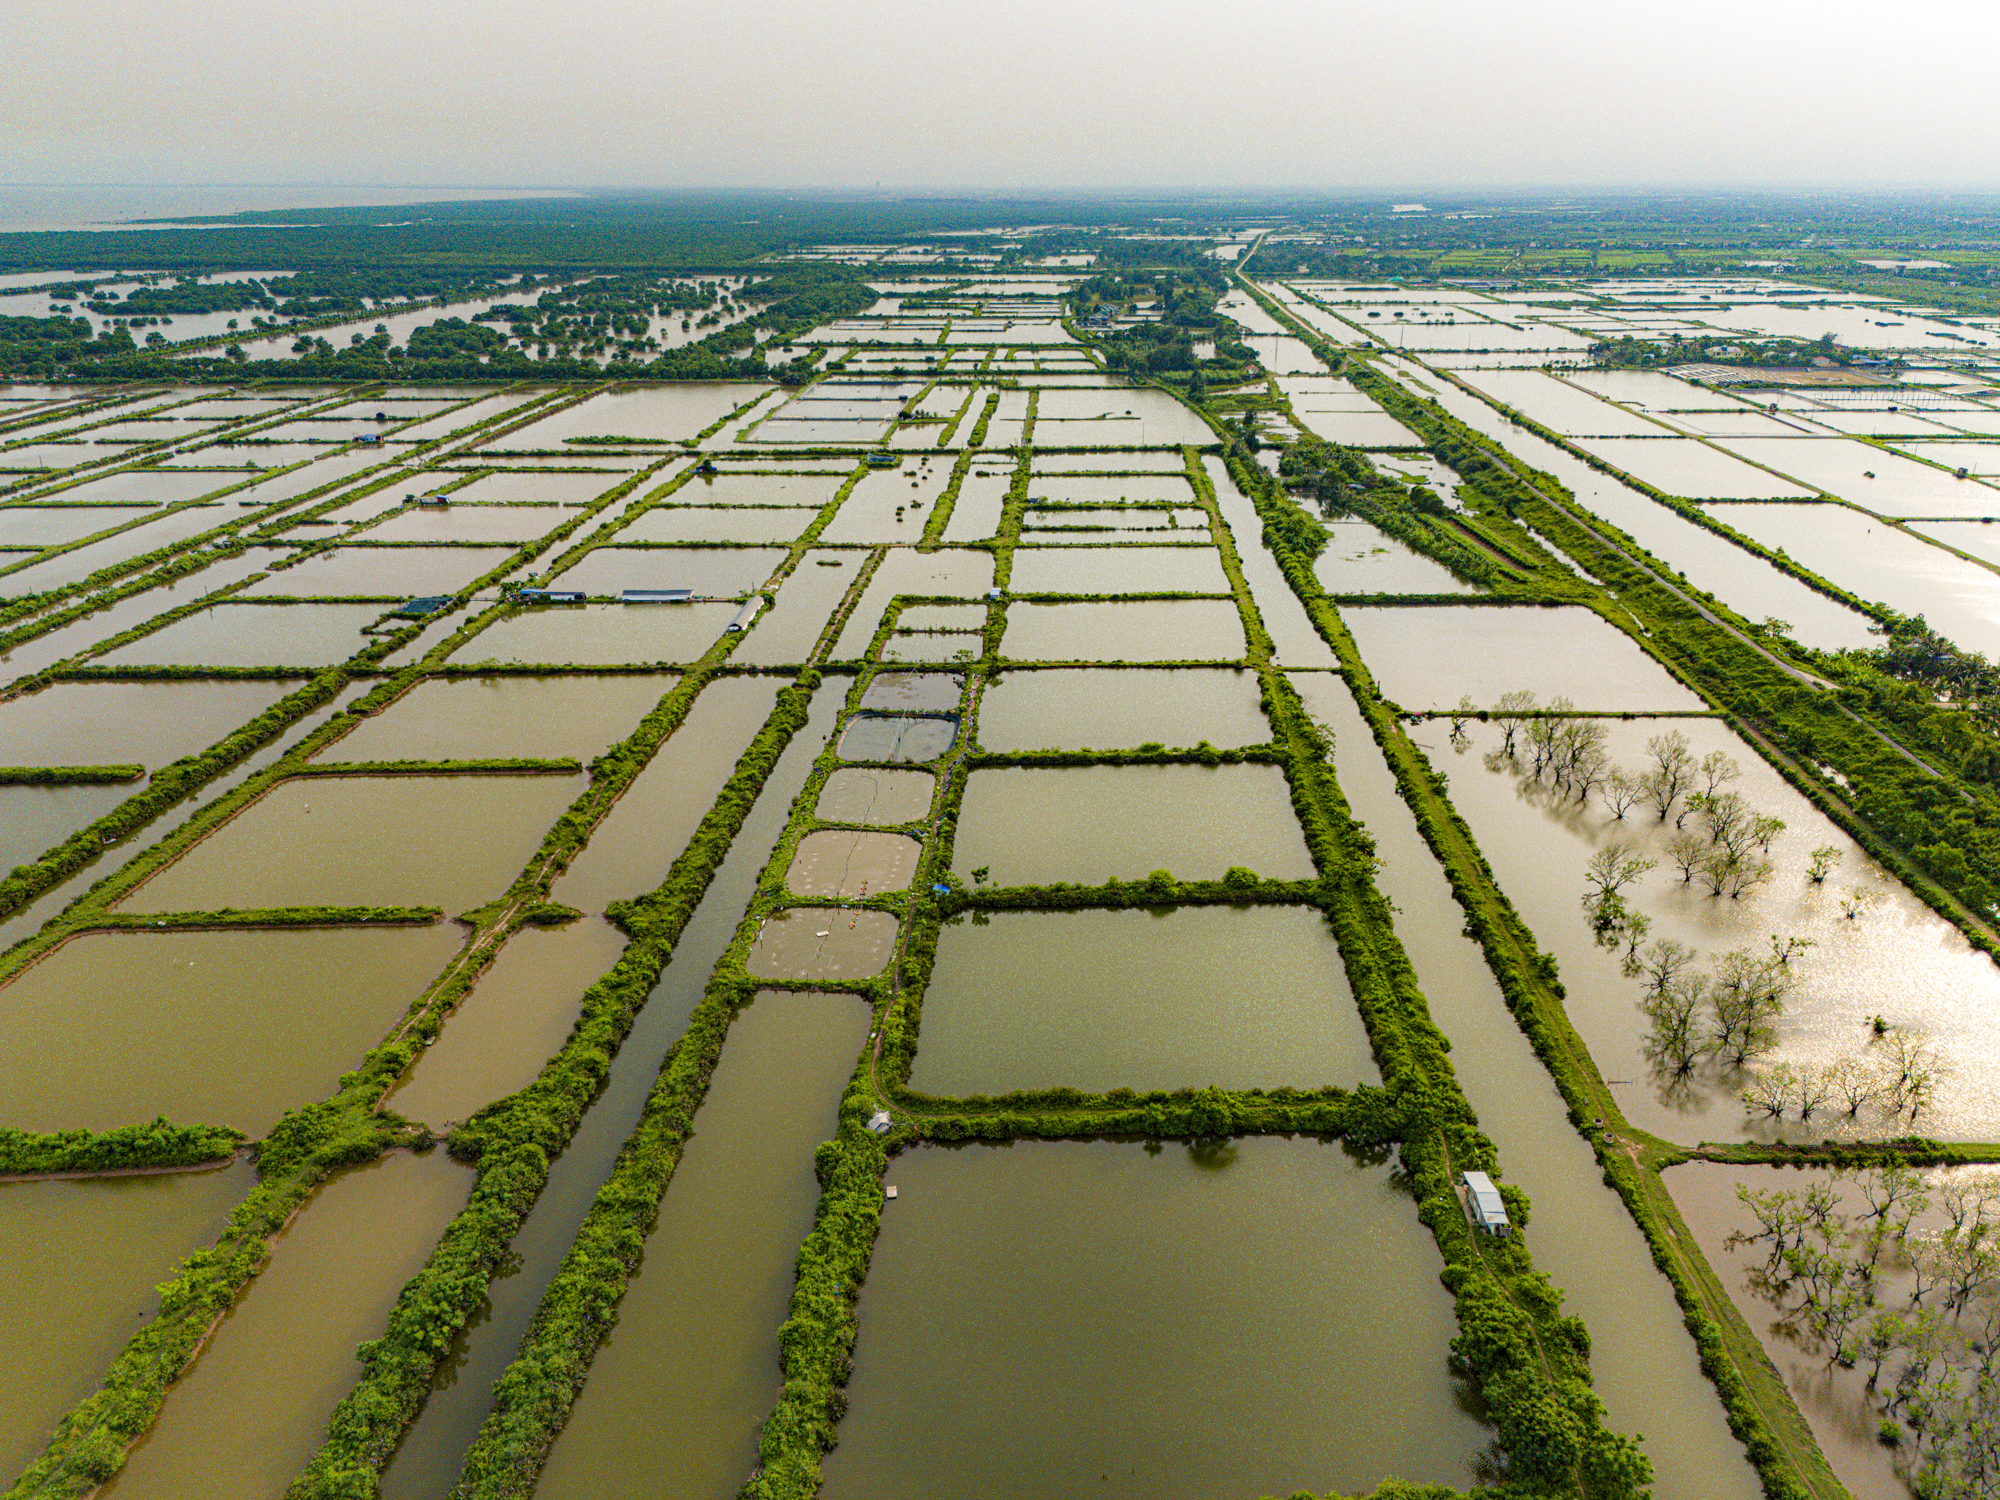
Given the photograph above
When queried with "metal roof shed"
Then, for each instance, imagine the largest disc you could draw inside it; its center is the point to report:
(656, 596)
(1484, 1206)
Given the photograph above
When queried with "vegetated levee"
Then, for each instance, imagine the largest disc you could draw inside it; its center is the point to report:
(839, 911)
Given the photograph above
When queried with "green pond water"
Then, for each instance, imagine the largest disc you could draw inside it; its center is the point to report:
(1243, 997)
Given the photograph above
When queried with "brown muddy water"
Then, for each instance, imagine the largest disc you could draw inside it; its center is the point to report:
(981, 1370)
(897, 738)
(1643, 1364)
(600, 635)
(1070, 708)
(480, 718)
(847, 865)
(253, 635)
(877, 795)
(1118, 570)
(1428, 656)
(822, 943)
(448, 841)
(914, 692)
(123, 1027)
(1163, 630)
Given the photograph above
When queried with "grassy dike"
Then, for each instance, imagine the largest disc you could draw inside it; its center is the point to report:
(1761, 1412)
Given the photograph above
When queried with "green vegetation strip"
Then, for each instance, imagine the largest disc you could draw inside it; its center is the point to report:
(68, 775)
(130, 1148)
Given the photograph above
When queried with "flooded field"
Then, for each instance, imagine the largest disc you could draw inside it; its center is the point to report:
(1427, 658)
(1362, 560)
(1882, 564)
(956, 1325)
(1100, 1000)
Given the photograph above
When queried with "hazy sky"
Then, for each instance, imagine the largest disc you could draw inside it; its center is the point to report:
(1008, 92)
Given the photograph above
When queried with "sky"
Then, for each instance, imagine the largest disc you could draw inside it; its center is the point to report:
(1008, 93)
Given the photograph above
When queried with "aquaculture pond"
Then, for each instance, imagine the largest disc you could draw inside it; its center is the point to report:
(1118, 570)
(983, 1370)
(82, 1260)
(599, 635)
(516, 1016)
(1643, 1364)
(877, 795)
(822, 943)
(709, 572)
(1882, 564)
(253, 635)
(127, 1026)
(1071, 708)
(843, 863)
(360, 572)
(1162, 630)
(1089, 824)
(480, 718)
(446, 841)
(1361, 560)
(1249, 997)
(897, 737)
(716, 1275)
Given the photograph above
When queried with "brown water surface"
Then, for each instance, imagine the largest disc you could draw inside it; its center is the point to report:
(1088, 824)
(822, 943)
(1308, 1331)
(479, 718)
(1163, 630)
(870, 794)
(1071, 708)
(516, 1017)
(124, 1027)
(446, 841)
